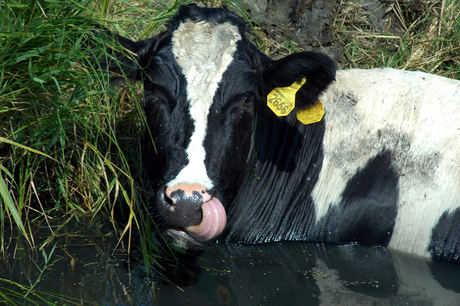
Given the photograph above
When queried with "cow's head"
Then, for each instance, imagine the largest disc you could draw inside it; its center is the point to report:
(204, 85)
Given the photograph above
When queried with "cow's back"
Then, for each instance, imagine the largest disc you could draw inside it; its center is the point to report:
(409, 120)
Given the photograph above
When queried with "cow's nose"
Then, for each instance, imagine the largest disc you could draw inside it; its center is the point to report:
(188, 192)
(185, 202)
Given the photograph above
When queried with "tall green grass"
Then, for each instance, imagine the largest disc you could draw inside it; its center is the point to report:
(70, 143)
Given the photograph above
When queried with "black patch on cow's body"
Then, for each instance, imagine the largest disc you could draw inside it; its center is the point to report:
(367, 212)
(278, 143)
(445, 245)
(230, 125)
(165, 108)
(274, 201)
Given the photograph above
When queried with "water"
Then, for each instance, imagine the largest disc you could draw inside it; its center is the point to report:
(292, 273)
(316, 274)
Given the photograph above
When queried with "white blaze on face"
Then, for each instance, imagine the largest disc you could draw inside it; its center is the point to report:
(204, 51)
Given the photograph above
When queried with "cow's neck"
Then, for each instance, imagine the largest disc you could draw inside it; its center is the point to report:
(286, 160)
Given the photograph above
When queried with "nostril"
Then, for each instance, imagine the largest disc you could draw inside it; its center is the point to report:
(169, 202)
(171, 196)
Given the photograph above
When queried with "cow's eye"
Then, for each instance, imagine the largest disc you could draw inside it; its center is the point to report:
(149, 85)
(247, 97)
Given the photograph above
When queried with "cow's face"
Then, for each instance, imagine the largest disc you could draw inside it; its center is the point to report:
(199, 92)
(204, 86)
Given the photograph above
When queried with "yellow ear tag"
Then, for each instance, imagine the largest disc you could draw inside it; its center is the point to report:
(281, 100)
(311, 114)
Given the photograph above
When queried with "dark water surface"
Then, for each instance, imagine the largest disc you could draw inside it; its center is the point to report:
(231, 274)
(316, 274)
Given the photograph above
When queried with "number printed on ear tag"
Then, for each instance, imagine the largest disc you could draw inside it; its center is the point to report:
(281, 100)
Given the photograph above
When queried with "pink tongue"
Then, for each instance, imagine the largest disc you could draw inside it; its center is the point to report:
(213, 223)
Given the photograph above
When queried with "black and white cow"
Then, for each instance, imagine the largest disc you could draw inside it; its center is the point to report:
(381, 167)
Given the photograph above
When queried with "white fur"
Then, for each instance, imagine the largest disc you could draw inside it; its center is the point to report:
(414, 115)
(204, 51)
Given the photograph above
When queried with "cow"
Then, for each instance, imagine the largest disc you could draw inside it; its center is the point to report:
(243, 148)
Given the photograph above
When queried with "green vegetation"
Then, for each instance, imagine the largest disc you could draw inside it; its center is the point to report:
(12, 294)
(418, 35)
(70, 144)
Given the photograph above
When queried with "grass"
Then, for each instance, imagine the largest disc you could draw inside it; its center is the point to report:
(419, 35)
(12, 294)
(70, 144)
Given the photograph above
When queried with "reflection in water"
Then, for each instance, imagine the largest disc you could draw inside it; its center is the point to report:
(316, 274)
(231, 274)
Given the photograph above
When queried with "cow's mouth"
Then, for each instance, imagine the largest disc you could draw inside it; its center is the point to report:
(211, 226)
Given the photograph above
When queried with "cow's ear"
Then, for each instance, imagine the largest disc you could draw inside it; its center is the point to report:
(126, 58)
(317, 68)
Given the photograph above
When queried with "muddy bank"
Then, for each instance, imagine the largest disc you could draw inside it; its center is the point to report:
(308, 24)
(314, 24)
